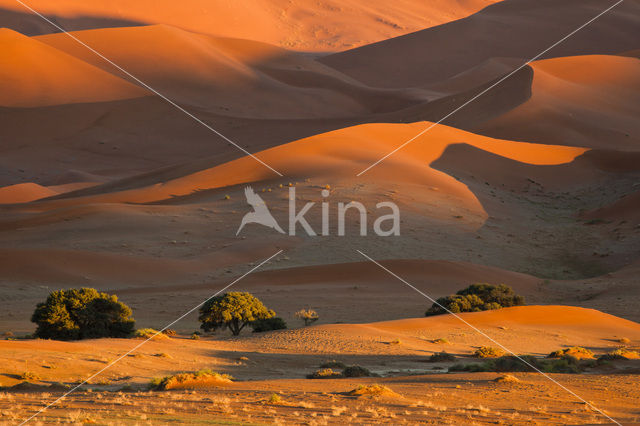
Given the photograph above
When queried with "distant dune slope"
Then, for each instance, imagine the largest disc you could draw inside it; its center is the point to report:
(589, 101)
(35, 74)
(301, 24)
(233, 77)
(512, 29)
(341, 155)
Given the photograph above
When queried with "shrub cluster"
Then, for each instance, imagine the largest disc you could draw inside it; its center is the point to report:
(268, 324)
(476, 297)
(566, 364)
(82, 314)
(326, 371)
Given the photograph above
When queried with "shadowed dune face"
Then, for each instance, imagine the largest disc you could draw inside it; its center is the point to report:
(526, 29)
(302, 25)
(582, 101)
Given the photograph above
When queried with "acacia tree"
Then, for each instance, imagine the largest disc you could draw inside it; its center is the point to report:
(309, 316)
(233, 310)
(82, 314)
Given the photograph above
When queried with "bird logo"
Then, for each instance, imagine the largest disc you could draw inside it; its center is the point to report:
(260, 213)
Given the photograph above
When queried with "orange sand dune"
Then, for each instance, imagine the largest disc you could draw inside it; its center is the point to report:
(589, 101)
(508, 29)
(342, 154)
(587, 320)
(233, 77)
(34, 74)
(301, 24)
(24, 192)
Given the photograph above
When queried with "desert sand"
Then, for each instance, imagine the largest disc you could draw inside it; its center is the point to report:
(534, 184)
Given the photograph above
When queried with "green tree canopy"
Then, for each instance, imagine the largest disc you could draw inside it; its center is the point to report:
(82, 314)
(233, 310)
(477, 297)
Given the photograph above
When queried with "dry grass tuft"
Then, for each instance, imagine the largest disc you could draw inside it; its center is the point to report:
(440, 341)
(147, 333)
(373, 390)
(507, 378)
(488, 352)
(577, 352)
(324, 373)
(199, 379)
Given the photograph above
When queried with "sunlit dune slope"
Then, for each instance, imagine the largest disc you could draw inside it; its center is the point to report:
(589, 101)
(508, 29)
(301, 24)
(527, 329)
(24, 192)
(231, 77)
(35, 74)
(342, 154)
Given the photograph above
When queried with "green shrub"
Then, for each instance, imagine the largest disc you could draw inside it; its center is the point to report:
(441, 357)
(82, 314)
(268, 324)
(475, 298)
(356, 371)
(233, 310)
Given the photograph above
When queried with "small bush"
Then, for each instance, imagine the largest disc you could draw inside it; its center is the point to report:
(373, 390)
(274, 398)
(507, 378)
(149, 333)
(195, 336)
(475, 298)
(488, 352)
(356, 371)
(324, 373)
(309, 316)
(624, 340)
(440, 341)
(619, 354)
(395, 342)
(169, 332)
(202, 378)
(441, 357)
(268, 324)
(82, 314)
(575, 351)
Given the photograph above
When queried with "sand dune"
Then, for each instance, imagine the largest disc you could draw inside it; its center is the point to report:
(302, 24)
(24, 192)
(581, 101)
(343, 154)
(526, 27)
(34, 74)
(239, 78)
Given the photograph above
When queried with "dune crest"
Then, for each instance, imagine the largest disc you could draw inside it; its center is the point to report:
(302, 24)
(33, 74)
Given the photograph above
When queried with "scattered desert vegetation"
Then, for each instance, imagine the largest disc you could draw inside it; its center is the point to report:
(82, 314)
(373, 390)
(476, 297)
